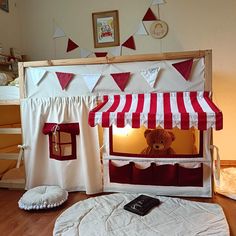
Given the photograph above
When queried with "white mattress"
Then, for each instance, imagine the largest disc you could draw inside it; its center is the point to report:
(9, 93)
(105, 215)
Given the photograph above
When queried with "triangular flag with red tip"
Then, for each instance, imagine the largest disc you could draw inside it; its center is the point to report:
(91, 80)
(121, 79)
(184, 68)
(71, 45)
(149, 16)
(64, 79)
(100, 54)
(150, 75)
(129, 43)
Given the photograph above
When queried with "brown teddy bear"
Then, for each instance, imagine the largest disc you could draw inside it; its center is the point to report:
(159, 142)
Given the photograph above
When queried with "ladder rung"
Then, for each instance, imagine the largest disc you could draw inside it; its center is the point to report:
(10, 130)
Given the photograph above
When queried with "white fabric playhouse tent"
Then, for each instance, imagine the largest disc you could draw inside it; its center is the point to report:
(64, 100)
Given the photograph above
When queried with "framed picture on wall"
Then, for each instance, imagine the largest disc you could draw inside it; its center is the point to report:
(106, 29)
(4, 5)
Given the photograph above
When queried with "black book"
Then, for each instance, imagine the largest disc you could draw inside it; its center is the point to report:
(142, 205)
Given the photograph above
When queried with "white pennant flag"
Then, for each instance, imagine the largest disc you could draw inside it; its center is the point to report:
(116, 51)
(58, 32)
(155, 2)
(141, 29)
(37, 75)
(91, 80)
(85, 52)
(150, 75)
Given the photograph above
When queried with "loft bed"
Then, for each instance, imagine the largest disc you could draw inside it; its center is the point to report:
(11, 158)
(65, 100)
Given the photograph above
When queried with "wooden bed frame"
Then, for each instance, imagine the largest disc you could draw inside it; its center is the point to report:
(206, 54)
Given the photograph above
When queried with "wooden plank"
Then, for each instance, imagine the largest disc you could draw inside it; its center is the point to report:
(10, 130)
(208, 70)
(10, 125)
(9, 102)
(118, 59)
(228, 163)
(22, 80)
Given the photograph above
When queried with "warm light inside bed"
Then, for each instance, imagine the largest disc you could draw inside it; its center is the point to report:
(132, 141)
(122, 131)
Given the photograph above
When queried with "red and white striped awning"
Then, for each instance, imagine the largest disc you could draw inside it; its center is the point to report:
(168, 110)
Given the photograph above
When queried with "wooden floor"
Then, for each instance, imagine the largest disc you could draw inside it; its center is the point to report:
(17, 222)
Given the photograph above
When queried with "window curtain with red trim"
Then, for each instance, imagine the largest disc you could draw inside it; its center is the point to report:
(80, 174)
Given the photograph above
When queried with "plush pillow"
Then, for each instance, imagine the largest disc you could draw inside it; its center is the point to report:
(5, 78)
(43, 197)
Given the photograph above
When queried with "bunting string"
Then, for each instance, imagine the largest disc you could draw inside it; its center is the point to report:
(121, 78)
(129, 43)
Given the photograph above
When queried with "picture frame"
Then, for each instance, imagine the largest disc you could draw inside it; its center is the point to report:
(4, 5)
(106, 29)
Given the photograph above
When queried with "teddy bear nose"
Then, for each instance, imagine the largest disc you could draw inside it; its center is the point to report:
(156, 146)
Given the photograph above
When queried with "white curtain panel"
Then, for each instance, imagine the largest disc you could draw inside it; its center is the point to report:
(82, 174)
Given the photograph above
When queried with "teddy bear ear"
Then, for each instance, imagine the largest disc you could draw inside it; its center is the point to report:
(172, 135)
(147, 131)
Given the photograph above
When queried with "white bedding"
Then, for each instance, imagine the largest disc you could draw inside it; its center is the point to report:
(105, 216)
(9, 93)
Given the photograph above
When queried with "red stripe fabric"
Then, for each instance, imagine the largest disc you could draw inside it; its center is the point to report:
(183, 112)
(106, 115)
(202, 117)
(167, 111)
(133, 109)
(121, 115)
(153, 110)
(139, 109)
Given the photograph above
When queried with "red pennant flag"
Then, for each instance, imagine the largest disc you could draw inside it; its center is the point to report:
(129, 43)
(184, 68)
(121, 79)
(64, 79)
(149, 16)
(100, 54)
(71, 45)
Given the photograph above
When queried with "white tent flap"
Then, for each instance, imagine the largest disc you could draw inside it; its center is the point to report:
(82, 173)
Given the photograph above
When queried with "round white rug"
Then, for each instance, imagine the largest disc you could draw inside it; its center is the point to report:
(105, 216)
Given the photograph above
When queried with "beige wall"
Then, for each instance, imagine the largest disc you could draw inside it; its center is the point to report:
(10, 27)
(192, 24)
